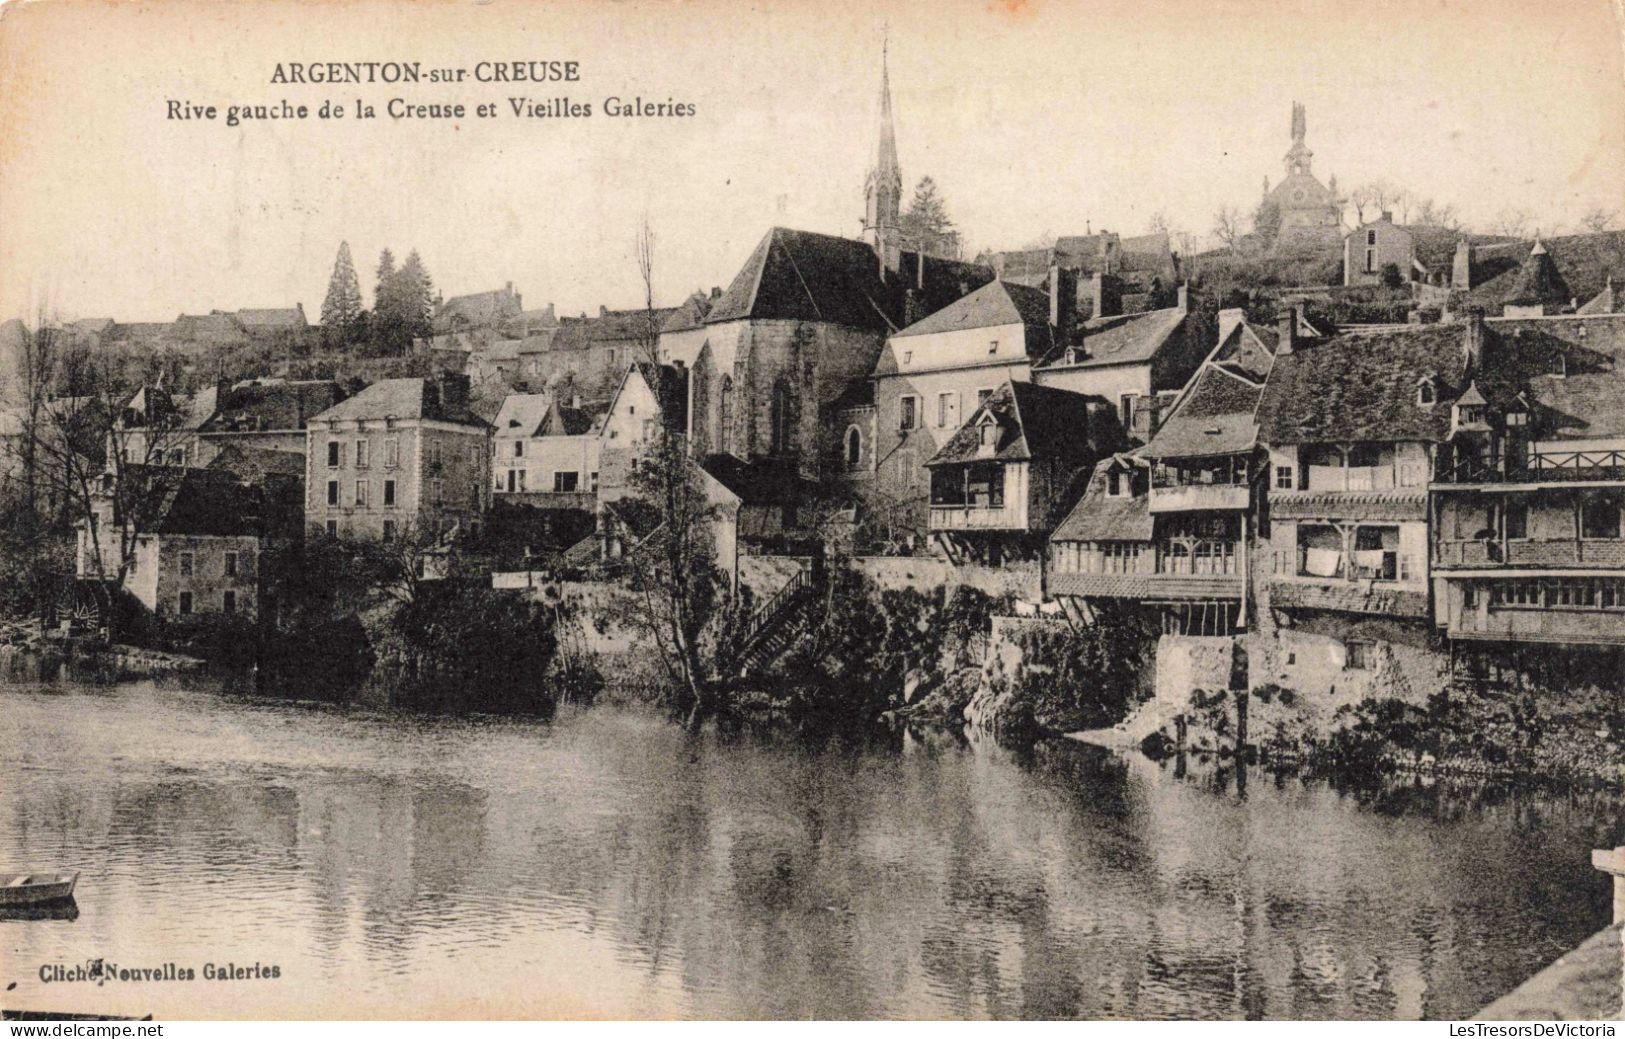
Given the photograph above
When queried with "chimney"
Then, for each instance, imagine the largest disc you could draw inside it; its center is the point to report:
(1105, 296)
(1286, 324)
(603, 311)
(1063, 306)
(716, 292)
(919, 269)
(452, 390)
(1182, 297)
(1473, 339)
(1461, 269)
(1387, 217)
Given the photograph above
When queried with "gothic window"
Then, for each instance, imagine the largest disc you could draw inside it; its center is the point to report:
(854, 447)
(725, 397)
(780, 418)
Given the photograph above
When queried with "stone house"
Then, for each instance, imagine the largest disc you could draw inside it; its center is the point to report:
(1351, 422)
(1371, 248)
(402, 455)
(648, 403)
(1136, 361)
(197, 537)
(546, 451)
(929, 379)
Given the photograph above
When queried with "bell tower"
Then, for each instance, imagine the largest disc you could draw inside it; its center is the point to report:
(883, 192)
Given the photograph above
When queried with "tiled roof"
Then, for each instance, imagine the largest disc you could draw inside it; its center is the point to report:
(805, 276)
(478, 308)
(1099, 516)
(994, 304)
(1362, 386)
(521, 414)
(760, 483)
(1538, 280)
(268, 405)
(1125, 339)
(1215, 417)
(1035, 422)
(1585, 261)
(400, 399)
(253, 464)
(272, 317)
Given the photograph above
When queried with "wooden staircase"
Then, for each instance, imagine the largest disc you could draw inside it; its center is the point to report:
(780, 622)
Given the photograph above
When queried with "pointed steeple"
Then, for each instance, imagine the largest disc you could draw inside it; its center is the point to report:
(883, 193)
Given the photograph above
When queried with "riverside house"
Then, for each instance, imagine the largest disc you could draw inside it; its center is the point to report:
(402, 455)
(1004, 480)
(1528, 542)
(933, 374)
(1169, 525)
(187, 541)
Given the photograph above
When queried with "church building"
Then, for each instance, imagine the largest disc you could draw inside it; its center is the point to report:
(1309, 212)
(782, 356)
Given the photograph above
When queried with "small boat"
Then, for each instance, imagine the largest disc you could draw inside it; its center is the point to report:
(33, 889)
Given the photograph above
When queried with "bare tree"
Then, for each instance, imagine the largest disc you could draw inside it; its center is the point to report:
(1597, 220)
(112, 470)
(1513, 222)
(649, 333)
(1158, 224)
(1227, 226)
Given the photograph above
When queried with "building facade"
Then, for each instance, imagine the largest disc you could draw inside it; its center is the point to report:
(402, 457)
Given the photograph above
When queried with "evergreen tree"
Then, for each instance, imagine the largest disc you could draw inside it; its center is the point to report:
(416, 295)
(389, 335)
(342, 306)
(926, 224)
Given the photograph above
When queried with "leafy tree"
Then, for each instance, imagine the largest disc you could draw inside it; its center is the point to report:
(342, 306)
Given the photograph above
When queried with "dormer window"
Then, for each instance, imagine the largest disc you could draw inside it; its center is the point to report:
(990, 435)
(1518, 413)
(908, 356)
(1426, 393)
(1117, 484)
(1560, 364)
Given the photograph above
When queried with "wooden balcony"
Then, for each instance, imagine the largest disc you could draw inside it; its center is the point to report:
(1542, 468)
(1199, 497)
(1009, 516)
(1572, 627)
(1606, 553)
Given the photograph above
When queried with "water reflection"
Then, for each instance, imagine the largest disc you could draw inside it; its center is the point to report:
(610, 863)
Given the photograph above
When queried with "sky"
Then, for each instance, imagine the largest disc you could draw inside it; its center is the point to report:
(1033, 116)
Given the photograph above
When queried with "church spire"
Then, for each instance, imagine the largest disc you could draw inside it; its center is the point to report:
(883, 194)
(1298, 156)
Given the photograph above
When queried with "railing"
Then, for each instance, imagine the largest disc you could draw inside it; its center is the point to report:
(1336, 565)
(976, 517)
(1546, 467)
(1198, 559)
(770, 612)
(1195, 497)
(1607, 552)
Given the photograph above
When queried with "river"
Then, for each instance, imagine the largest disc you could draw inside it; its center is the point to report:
(607, 863)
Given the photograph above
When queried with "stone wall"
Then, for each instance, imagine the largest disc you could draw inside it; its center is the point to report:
(925, 574)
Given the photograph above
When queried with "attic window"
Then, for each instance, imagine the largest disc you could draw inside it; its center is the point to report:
(990, 434)
(1560, 364)
(908, 356)
(1117, 484)
(993, 347)
(1425, 393)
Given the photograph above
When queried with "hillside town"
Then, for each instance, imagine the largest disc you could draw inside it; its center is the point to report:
(1345, 460)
